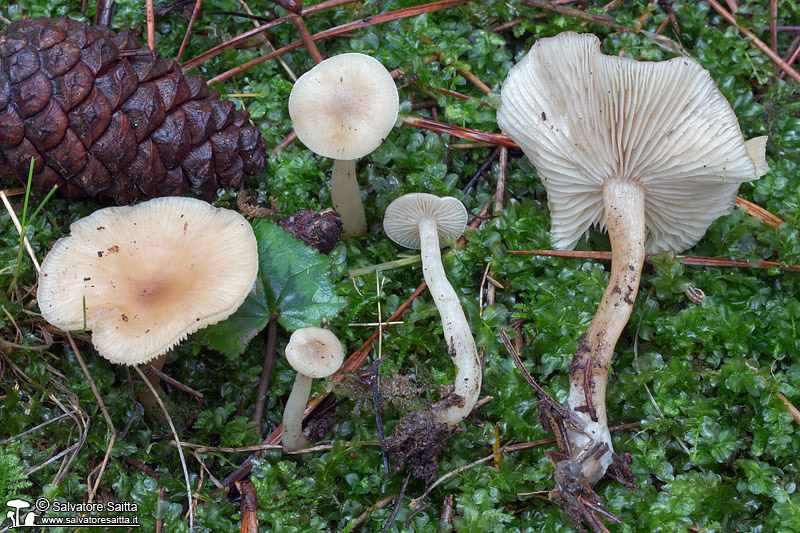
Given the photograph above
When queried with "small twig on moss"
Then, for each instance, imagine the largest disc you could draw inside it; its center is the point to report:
(150, 369)
(380, 504)
(397, 503)
(197, 6)
(151, 25)
(461, 96)
(356, 272)
(266, 370)
(691, 260)
(249, 506)
(759, 212)
(452, 473)
(415, 512)
(230, 43)
(141, 466)
(337, 30)
(158, 527)
(458, 131)
(754, 40)
(481, 170)
(296, 8)
(308, 42)
(792, 409)
(500, 189)
(773, 31)
(605, 20)
(36, 428)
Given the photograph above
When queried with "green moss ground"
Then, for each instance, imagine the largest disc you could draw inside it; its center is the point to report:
(716, 448)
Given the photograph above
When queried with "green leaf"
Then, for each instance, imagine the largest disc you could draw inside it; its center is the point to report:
(293, 280)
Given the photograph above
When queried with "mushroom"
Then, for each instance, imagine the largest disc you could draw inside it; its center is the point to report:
(627, 145)
(144, 277)
(344, 108)
(314, 353)
(427, 222)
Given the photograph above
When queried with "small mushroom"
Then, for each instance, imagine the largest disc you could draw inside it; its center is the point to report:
(344, 108)
(427, 222)
(314, 353)
(144, 277)
(627, 145)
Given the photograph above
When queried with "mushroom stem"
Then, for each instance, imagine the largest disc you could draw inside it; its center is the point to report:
(293, 438)
(460, 344)
(625, 220)
(145, 397)
(346, 197)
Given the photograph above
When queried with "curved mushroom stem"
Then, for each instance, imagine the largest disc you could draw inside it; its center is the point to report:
(293, 438)
(146, 398)
(624, 210)
(346, 197)
(460, 344)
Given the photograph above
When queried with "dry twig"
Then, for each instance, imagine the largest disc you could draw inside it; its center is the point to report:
(692, 260)
(755, 41)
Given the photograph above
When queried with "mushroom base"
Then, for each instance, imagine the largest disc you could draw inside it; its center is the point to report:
(417, 440)
(590, 442)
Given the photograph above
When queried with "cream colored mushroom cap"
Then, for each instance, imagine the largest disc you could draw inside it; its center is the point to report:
(149, 274)
(583, 118)
(314, 352)
(402, 216)
(344, 107)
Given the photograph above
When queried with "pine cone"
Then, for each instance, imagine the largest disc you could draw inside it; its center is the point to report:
(105, 118)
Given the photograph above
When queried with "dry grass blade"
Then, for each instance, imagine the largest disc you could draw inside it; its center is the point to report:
(178, 440)
(692, 260)
(17, 225)
(106, 416)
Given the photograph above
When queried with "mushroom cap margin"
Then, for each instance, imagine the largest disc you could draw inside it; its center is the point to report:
(314, 352)
(345, 106)
(150, 274)
(402, 216)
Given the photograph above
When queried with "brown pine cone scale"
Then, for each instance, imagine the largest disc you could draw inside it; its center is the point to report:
(104, 117)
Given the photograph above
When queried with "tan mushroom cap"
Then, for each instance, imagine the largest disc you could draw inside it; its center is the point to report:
(583, 118)
(344, 107)
(314, 352)
(402, 216)
(150, 275)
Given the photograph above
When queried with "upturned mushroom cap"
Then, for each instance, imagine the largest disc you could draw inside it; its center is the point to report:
(344, 107)
(150, 275)
(583, 118)
(314, 352)
(401, 219)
